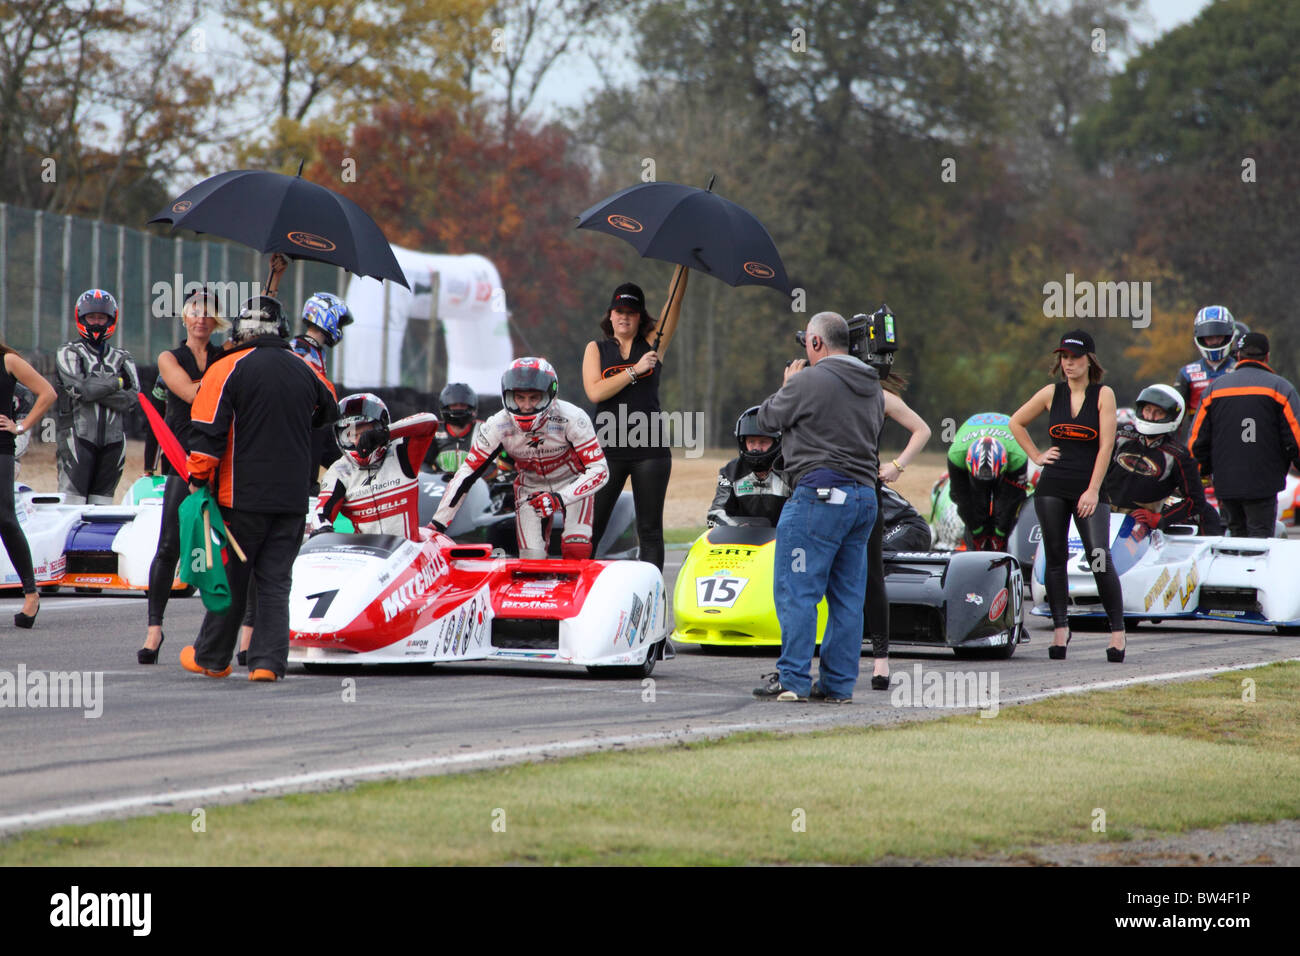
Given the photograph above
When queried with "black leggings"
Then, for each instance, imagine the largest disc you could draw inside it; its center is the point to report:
(1054, 519)
(649, 486)
(875, 614)
(162, 572)
(11, 532)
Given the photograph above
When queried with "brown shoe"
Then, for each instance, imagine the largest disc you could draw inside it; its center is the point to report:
(190, 664)
(261, 673)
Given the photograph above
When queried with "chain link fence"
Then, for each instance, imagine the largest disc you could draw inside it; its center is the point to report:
(47, 261)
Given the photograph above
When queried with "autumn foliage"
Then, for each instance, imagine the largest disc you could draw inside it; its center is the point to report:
(444, 181)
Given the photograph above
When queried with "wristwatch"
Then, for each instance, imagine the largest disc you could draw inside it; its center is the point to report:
(20, 428)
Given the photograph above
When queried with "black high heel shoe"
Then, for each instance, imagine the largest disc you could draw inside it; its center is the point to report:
(27, 620)
(146, 656)
(1116, 654)
(1057, 651)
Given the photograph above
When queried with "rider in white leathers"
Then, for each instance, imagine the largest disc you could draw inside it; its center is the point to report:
(559, 463)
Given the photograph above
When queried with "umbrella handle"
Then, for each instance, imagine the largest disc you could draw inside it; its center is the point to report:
(672, 309)
(207, 537)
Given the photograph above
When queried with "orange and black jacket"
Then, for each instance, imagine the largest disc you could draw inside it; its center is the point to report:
(252, 424)
(1247, 431)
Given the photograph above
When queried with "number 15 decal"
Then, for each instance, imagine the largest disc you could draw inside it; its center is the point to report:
(718, 592)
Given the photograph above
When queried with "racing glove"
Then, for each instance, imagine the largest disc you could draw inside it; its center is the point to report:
(372, 439)
(997, 542)
(437, 526)
(546, 503)
(1148, 518)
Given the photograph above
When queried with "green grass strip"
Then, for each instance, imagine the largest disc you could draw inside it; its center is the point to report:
(1162, 758)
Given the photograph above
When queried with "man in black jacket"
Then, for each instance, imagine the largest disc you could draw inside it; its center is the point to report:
(252, 420)
(1246, 434)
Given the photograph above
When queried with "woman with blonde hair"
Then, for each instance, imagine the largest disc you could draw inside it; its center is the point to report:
(179, 373)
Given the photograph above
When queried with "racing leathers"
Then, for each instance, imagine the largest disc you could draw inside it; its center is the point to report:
(451, 447)
(97, 387)
(742, 493)
(382, 498)
(1193, 379)
(988, 508)
(559, 466)
(1146, 470)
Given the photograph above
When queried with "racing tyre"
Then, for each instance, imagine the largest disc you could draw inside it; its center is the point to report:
(49, 589)
(1288, 630)
(632, 671)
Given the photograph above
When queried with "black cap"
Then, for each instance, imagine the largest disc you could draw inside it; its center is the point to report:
(1076, 343)
(628, 295)
(1254, 344)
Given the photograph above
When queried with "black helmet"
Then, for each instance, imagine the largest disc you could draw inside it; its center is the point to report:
(260, 315)
(91, 302)
(458, 393)
(747, 425)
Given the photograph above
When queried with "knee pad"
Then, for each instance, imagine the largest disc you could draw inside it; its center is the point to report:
(576, 548)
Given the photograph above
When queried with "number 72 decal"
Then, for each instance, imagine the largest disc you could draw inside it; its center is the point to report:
(718, 592)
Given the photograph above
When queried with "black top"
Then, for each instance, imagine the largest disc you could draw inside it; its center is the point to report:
(1078, 438)
(178, 411)
(6, 406)
(629, 424)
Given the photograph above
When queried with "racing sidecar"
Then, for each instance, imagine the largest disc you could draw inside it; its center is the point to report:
(1169, 576)
(381, 599)
(972, 602)
(100, 547)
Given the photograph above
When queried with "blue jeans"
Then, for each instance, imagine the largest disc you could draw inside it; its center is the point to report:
(821, 549)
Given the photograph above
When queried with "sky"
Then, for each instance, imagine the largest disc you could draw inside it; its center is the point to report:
(568, 83)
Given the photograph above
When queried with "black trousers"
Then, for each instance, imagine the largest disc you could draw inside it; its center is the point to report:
(649, 487)
(904, 536)
(1054, 520)
(1249, 517)
(271, 543)
(11, 532)
(162, 571)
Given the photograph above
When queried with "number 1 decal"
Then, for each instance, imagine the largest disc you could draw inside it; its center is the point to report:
(323, 600)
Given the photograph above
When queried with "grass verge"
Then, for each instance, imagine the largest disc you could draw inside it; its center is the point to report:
(1153, 758)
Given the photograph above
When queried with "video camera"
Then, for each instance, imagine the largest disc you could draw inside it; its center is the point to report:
(872, 340)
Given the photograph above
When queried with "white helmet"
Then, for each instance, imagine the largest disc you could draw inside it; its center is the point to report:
(1170, 403)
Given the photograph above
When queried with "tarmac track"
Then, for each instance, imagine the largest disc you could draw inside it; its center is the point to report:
(172, 740)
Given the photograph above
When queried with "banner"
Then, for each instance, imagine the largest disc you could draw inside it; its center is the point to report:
(471, 305)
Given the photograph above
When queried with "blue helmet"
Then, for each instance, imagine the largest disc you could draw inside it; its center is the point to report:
(1211, 321)
(328, 313)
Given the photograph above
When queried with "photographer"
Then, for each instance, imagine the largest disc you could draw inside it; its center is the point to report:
(829, 411)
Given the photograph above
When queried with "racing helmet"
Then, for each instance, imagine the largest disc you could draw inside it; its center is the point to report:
(1214, 320)
(986, 458)
(529, 373)
(328, 313)
(747, 425)
(90, 302)
(457, 393)
(1242, 330)
(1170, 403)
(260, 315)
(355, 413)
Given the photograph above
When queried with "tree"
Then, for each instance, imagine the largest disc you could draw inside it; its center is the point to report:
(332, 61)
(444, 181)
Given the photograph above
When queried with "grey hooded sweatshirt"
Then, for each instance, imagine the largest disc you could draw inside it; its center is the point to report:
(829, 416)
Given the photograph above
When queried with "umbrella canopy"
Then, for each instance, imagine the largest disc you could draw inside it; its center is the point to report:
(692, 227)
(272, 212)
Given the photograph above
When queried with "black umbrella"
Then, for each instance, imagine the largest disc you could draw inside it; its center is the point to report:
(272, 212)
(692, 227)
